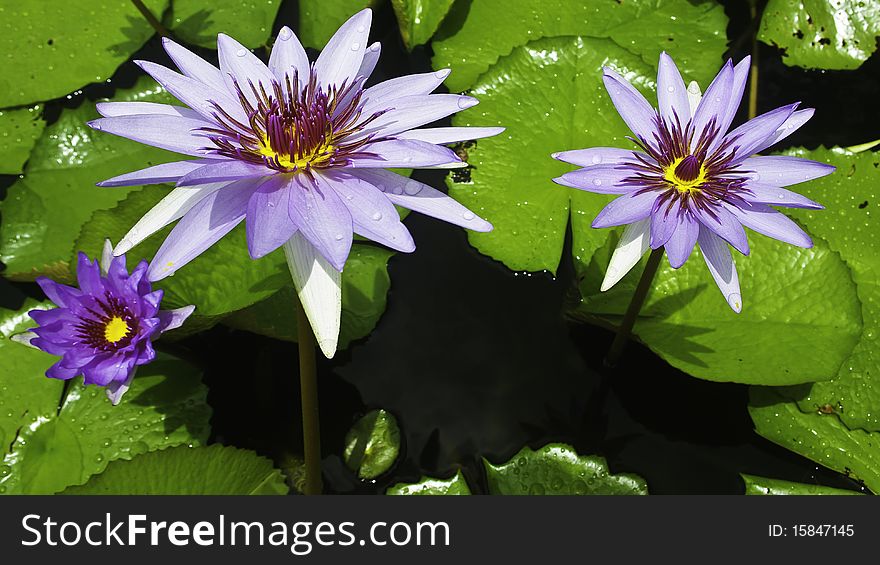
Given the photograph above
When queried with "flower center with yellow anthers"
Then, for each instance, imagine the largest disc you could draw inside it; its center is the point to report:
(686, 174)
(319, 156)
(116, 329)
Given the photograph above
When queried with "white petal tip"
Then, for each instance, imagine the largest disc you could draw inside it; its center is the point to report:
(24, 339)
(612, 277)
(328, 347)
(735, 302)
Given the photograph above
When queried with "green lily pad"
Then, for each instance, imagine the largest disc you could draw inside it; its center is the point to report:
(457, 485)
(476, 34)
(419, 19)
(53, 51)
(50, 443)
(372, 445)
(850, 226)
(818, 436)
(199, 22)
(19, 130)
(365, 284)
(556, 468)
(823, 34)
(319, 19)
(44, 211)
(765, 486)
(510, 180)
(189, 470)
(800, 320)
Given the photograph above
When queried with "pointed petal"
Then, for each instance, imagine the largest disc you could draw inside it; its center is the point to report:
(176, 134)
(195, 94)
(319, 287)
(781, 170)
(413, 111)
(630, 104)
(672, 99)
(268, 222)
(714, 101)
(664, 223)
(694, 96)
(764, 219)
(114, 109)
(341, 59)
(424, 199)
(598, 156)
(115, 390)
(380, 96)
(776, 196)
(371, 59)
(681, 243)
(726, 225)
(634, 242)
(733, 100)
(106, 257)
(601, 179)
(25, 338)
(177, 203)
(753, 134)
(720, 262)
(372, 214)
(288, 58)
(194, 66)
(449, 135)
(209, 220)
(625, 210)
(402, 153)
(157, 174)
(224, 170)
(323, 219)
(173, 319)
(788, 127)
(240, 66)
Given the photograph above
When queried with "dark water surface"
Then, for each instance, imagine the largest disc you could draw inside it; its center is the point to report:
(476, 361)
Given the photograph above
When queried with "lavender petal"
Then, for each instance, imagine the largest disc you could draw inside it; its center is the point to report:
(781, 170)
(726, 225)
(753, 134)
(240, 66)
(221, 170)
(323, 219)
(601, 179)
(449, 135)
(341, 58)
(289, 59)
(165, 132)
(764, 219)
(681, 243)
(402, 153)
(630, 104)
(166, 172)
(720, 262)
(672, 100)
(193, 66)
(599, 156)
(268, 222)
(626, 209)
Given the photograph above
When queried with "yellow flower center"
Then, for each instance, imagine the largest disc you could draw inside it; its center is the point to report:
(316, 157)
(684, 185)
(116, 329)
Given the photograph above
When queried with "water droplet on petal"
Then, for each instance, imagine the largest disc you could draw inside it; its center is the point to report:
(355, 46)
(339, 237)
(468, 215)
(597, 182)
(412, 188)
(285, 34)
(377, 216)
(670, 88)
(597, 159)
(240, 53)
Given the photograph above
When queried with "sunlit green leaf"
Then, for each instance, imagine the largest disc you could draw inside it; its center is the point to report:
(475, 34)
(419, 19)
(372, 444)
(457, 485)
(765, 486)
(44, 211)
(51, 49)
(851, 227)
(47, 448)
(198, 22)
(819, 436)
(189, 470)
(557, 469)
(825, 34)
(19, 130)
(319, 19)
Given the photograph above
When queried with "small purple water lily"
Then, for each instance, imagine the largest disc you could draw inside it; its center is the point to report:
(297, 151)
(104, 329)
(693, 181)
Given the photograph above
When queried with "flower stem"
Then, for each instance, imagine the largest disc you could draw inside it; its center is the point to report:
(635, 305)
(753, 69)
(308, 383)
(151, 19)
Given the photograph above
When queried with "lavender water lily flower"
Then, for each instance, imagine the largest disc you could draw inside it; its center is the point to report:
(104, 329)
(297, 151)
(693, 182)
